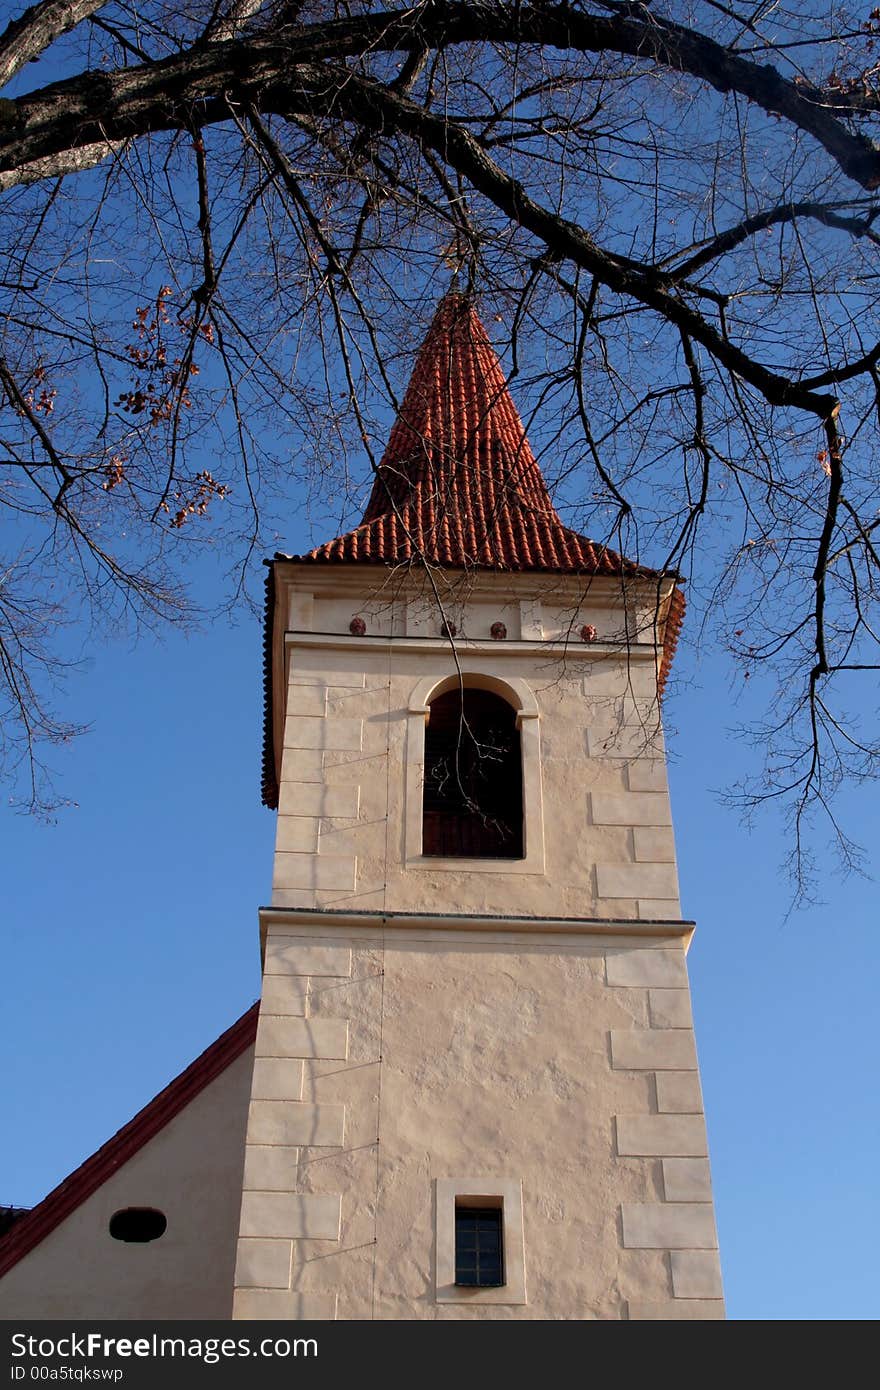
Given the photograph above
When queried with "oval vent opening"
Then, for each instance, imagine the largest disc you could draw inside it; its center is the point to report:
(138, 1224)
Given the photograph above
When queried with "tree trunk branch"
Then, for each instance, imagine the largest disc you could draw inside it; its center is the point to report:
(133, 101)
(29, 35)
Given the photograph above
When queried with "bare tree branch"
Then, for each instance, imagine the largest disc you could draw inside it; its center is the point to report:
(34, 30)
(133, 101)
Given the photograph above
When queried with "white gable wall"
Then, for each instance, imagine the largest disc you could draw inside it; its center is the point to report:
(192, 1171)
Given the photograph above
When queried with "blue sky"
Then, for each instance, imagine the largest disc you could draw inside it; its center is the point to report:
(130, 942)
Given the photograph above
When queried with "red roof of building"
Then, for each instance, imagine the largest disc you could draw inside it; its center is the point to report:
(458, 484)
(29, 1230)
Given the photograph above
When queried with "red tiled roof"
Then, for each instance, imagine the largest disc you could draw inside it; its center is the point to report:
(458, 484)
(67, 1196)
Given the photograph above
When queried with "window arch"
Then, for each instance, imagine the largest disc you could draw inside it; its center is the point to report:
(518, 695)
(473, 783)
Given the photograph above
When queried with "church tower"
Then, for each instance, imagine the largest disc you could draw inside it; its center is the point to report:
(475, 1092)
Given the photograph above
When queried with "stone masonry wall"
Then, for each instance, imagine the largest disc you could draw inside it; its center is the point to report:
(564, 1063)
(347, 785)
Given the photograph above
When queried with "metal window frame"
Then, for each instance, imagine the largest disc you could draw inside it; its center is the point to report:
(494, 1251)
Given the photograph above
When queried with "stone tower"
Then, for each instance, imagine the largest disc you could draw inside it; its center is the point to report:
(475, 1092)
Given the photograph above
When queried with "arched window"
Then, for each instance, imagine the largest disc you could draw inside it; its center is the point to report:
(473, 792)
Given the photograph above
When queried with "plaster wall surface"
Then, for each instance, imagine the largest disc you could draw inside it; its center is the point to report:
(351, 767)
(192, 1171)
(490, 1053)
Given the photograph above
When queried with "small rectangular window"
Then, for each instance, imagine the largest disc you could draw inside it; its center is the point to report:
(479, 1247)
(480, 1250)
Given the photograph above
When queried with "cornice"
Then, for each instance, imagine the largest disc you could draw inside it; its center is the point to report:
(552, 649)
(325, 920)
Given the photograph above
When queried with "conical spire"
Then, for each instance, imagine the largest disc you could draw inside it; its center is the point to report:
(458, 484)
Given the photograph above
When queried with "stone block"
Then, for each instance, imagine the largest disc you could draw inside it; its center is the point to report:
(647, 775)
(670, 1008)
(687, 1180)
(654, 1136)
(317, 799)
(289, 1123)
(294, 897)
(302, 1037)
(643, 967)
(260, 1305)
(653, 1049)
(297, 834)
(293, 955)
(637, 881)
(270, 1168)
(291, 1215)
(302, 765)
(654, 844)
(340, 735)
(631, 808)
(668, 1226)
(277, 1078)
(677, 1310)
(284, 994)
(315, 871)
(307, 699)
(696, 1274)
(678, 1092)
(263, 1264)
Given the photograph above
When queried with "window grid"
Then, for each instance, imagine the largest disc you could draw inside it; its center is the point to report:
(479, 1252)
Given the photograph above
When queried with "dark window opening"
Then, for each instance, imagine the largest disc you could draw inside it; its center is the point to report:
(138, 1224)
(473, 778)
(479, 1247)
